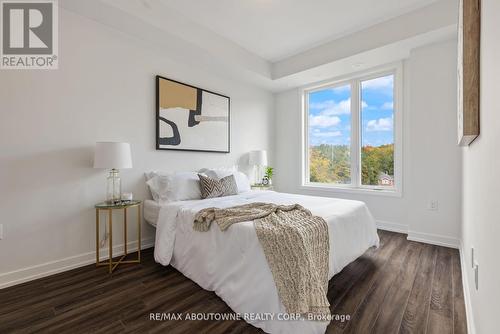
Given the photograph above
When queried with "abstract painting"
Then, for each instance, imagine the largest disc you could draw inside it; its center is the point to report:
(189, 118)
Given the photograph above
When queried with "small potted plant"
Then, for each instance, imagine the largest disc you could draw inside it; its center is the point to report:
(268, 176)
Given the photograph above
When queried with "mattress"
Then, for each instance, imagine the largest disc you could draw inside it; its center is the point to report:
(151, 211)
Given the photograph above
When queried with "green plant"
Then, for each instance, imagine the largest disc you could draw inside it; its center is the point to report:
(269, 172)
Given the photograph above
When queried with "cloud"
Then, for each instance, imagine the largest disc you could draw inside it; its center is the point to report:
(377, 83)
(330, 107)
(387, 106)
(381, 124)
(323, 121)
(327, 134)
(365, 106)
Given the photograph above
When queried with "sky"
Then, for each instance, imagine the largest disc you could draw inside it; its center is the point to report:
(330, 115)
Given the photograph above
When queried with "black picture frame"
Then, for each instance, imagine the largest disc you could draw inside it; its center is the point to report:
(157, 119)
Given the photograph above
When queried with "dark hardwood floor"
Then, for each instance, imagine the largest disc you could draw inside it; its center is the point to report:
(401, 287)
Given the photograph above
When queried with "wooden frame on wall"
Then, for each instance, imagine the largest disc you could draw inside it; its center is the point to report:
(469, 26)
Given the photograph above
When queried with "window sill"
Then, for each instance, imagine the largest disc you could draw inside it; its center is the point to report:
(351, 190)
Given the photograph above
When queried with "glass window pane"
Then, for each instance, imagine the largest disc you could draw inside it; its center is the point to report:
(377, 132)
(330, 135)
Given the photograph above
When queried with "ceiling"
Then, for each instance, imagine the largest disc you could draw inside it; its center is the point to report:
(277, 29)
(272, 51)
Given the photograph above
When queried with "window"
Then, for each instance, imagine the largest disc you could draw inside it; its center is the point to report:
(352, 133)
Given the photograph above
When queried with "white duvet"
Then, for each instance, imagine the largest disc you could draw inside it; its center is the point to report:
(233, 264)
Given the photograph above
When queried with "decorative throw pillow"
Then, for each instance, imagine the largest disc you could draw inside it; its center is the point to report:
(211, 188)
(242, 181)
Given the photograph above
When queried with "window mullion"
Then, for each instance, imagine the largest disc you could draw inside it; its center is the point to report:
(355, 137)
(305, 137)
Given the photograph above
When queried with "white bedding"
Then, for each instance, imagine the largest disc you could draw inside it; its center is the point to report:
(233, 264)
(151, 211)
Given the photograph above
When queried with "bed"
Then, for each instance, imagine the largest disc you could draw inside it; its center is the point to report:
(232, 263)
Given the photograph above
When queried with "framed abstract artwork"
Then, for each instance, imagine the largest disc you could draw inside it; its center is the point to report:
(189, 118)
(469, 25)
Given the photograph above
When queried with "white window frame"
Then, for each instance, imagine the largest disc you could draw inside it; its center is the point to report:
(355, 82)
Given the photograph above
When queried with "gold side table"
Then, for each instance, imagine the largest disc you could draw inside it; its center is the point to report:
(109, 208)
(261, 187)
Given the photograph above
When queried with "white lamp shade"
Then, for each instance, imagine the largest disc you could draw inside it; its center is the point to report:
(112, 155)
(258, 158)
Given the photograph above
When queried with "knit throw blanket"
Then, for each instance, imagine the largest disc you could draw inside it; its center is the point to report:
(296, 247)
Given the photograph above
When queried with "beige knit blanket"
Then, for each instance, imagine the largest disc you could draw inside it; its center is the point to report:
(296, 247)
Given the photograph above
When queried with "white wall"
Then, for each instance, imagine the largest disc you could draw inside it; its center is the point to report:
(432, 159)
(481, 183)
(103, 90)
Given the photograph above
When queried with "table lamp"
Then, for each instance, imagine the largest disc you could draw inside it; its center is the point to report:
(258, 159)
(113, 156)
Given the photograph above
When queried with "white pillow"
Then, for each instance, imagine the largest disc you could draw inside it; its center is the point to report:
(149, 176)
(242, 181)
(158, 185)
(153, 173)
(172, 187)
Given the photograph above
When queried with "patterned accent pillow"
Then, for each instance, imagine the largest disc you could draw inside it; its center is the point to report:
(211, 188)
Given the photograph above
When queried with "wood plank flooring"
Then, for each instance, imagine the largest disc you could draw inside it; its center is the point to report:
(401, 287)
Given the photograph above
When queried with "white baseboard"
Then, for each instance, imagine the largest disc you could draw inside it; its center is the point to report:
(53, 267)
(471, 328)
(428, 238)
(434, 239)
(393, 227)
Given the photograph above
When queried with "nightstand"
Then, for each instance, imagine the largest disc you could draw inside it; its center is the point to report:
(261, 187)
(109, 209)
